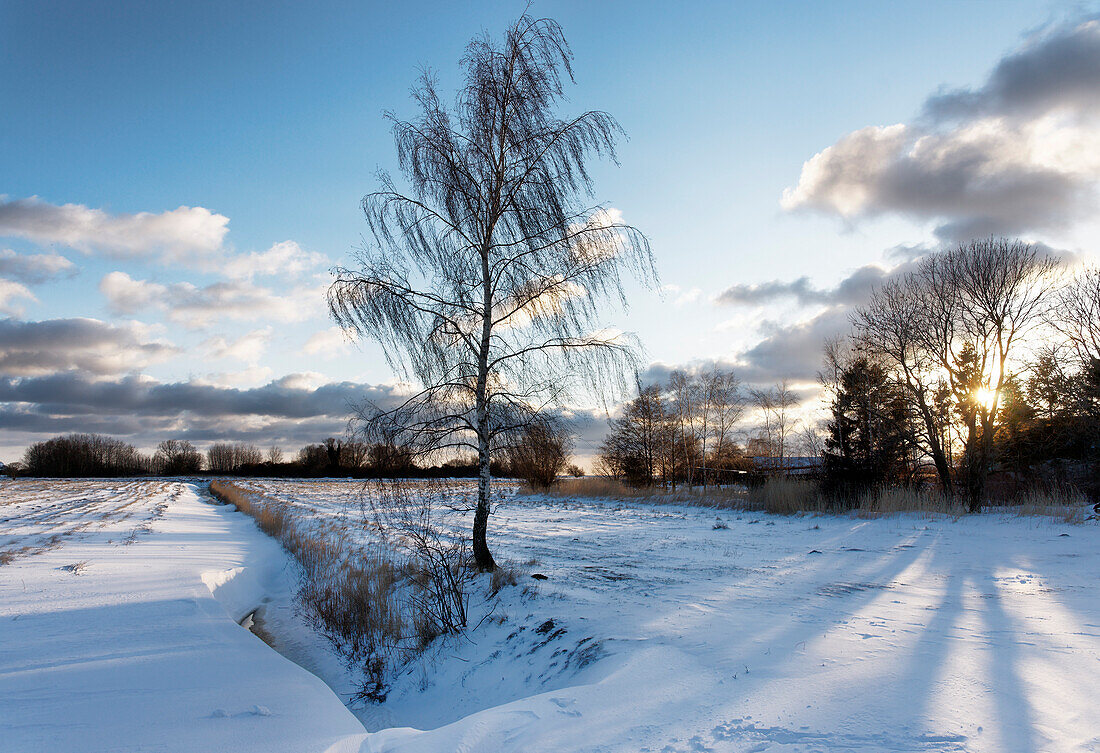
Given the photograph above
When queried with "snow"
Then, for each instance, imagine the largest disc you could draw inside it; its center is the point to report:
(136, 652)
(656, 630)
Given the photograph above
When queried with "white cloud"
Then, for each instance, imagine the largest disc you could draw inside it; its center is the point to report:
(175, 236)
(33, 268)
(1018, 154)
(199, 307)
(248, 348)
(285, 259)
(329, 342)
(305, 380)
(251, 377)
(682, 296)
(10, 292)
(126, 295)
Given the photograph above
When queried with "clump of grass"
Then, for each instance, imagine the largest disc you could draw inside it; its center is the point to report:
(786, 496)
(508, 574)
(76, 568)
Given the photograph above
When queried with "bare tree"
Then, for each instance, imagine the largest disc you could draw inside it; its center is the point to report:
(726, 408)
(274, 454)
(640, 444)
(762, 401)
(979, 301)
(229, 458)
(889, 328)
(175, 457)
(683, 391)
(353, 453)
(776, 406)
(1077, 314)
(811, 440)
(786, 421)
(487, 279)
(247, 454)
(84, 455)
(220, 458)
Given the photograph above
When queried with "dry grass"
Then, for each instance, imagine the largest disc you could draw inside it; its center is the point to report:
(1060, 503)
(380, 604)
(349, 593)
(893, 500)
(509, 574)
(792, 496)
(599, 487)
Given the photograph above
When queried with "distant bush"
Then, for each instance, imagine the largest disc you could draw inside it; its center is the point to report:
(77, 455)
(540, 454)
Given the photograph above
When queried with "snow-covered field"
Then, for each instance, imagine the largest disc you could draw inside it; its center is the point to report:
(656, 630)
(121, 634)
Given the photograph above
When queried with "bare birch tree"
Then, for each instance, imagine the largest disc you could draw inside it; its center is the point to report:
(727, 408)
(776, 406)
(486, 279)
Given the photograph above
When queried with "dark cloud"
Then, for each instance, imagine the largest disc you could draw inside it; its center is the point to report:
(1060, 67)
(853, 289)
(22, 428)
(986, 161)
(145, 411)
(34, 348)
(73, 394)
(793, 351)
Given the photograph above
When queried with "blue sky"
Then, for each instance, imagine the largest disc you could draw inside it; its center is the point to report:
(267, 116)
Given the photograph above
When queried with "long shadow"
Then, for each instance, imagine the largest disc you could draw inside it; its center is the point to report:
(929, 654)
(1016, 717)
(879, 573)
(819, 614)
(1072, 574)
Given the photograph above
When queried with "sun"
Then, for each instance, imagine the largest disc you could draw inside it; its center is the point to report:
(985, 396)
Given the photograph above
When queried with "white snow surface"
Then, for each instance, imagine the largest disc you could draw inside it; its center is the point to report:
(138, 648)
(654, 631)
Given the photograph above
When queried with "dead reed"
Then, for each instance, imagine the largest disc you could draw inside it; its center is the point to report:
(781, 495)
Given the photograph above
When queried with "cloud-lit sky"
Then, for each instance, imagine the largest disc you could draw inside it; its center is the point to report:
(177, 179)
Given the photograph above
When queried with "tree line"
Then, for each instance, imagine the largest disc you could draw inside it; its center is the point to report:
(541, 454)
